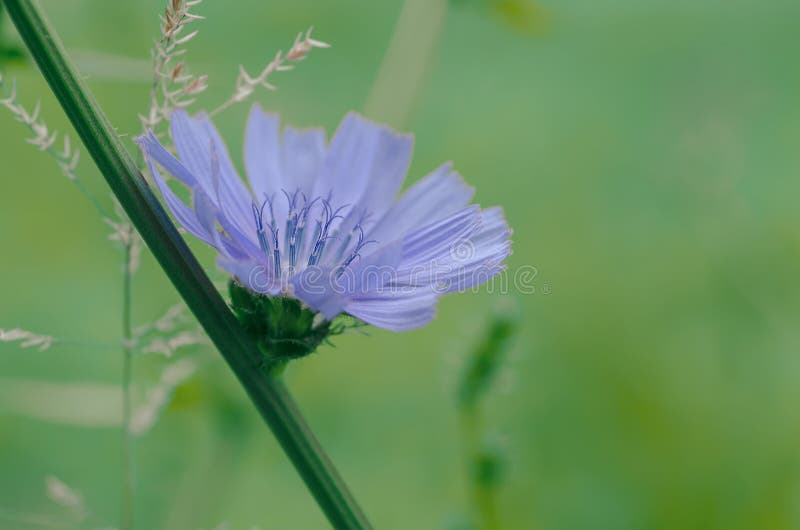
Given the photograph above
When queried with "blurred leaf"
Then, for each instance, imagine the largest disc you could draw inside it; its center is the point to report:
(525, 16)
(8, 53)
(489, 463)
(483, 362)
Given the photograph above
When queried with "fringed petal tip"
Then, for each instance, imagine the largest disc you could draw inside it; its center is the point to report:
(364, 121)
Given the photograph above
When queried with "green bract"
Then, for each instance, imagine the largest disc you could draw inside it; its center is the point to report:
(283, 328)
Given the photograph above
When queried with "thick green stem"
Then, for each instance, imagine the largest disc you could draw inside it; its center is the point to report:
(240, 351)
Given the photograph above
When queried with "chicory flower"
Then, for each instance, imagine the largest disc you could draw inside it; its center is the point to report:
(320, 222)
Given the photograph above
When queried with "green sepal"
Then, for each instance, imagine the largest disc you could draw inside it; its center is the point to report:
(282, 326)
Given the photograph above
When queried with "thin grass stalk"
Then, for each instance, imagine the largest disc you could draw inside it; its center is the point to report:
(126, 518)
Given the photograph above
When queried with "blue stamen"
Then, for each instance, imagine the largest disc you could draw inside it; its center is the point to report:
(323, 226)
(276, 255)
(359, 245)
(258, 215)
(365, 216)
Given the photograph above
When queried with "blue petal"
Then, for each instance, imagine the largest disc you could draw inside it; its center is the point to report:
(262, 153)
(435, 197)
(396, 311)
(317, 287)
(329, 289)
(281, 164)
(437, 240)
(202, 150)
(302, 153)
(365, 165)
(246, 243)
(490, 246)
(368, 291)
(207, 215)
(467, 254)
(256, 275)
(153, 149)
(185, 216)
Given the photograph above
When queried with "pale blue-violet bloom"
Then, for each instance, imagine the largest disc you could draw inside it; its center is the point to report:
(322, 221)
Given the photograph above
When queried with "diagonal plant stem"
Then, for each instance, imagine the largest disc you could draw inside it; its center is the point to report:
(268, 393)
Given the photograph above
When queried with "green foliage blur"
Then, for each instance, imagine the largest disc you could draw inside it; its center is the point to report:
(646, 154)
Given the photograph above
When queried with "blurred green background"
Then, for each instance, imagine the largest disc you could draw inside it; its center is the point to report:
(647, 157)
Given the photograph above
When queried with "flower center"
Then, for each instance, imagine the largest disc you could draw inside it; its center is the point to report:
(296, 247)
